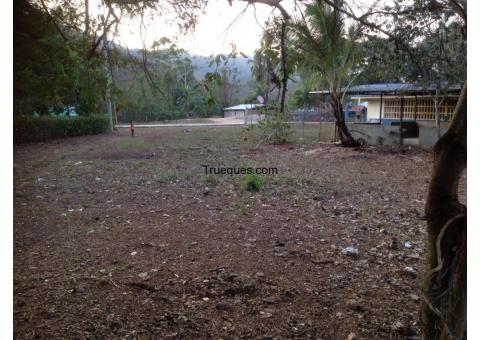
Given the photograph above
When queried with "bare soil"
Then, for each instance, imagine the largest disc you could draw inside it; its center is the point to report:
(118, 237)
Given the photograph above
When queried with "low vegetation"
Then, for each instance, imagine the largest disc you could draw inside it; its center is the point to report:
(252, 182)
(40, 129)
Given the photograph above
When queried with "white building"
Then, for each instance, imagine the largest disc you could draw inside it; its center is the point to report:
(247, 112)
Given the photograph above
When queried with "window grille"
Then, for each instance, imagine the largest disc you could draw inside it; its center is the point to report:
(425, 109)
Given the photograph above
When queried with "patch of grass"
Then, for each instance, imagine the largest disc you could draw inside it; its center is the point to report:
(166, 175)
(252, 182)
(138, 165)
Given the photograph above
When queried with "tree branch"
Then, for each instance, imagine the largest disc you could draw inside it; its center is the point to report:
(47, 12)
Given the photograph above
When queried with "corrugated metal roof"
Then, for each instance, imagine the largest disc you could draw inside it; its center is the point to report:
(390, 88)
(241, 107)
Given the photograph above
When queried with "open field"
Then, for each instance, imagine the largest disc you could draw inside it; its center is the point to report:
(117, 237)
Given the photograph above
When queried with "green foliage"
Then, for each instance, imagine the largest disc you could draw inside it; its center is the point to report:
(38, 129)
(252, 182)
(272, 129)
(301, 96)
(169, 89)
(325, 45)
(51, 70)
(266, 65)
(428, 48)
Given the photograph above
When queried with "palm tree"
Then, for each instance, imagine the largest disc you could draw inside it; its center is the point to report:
(327, 49)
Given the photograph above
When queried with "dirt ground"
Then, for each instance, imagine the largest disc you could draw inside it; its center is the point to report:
(118, 237)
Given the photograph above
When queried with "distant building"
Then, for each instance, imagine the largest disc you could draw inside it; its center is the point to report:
(247, 112)
(397, 112)
(240, 110)
(394, 101)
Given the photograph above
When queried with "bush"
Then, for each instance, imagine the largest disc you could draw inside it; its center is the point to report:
(273, 129)
(252, 182)
(40, 129)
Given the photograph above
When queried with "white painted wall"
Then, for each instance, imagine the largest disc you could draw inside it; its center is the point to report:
(373, 107)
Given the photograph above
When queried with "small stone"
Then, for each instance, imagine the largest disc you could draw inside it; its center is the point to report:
(259, 275)
(354, 305)
(205, 299)
(265, 315)
(408, 244)
(410, 271)
(402, 328)
(351, 336)
(143, 276)
(206, 190)
(350, 251)
(133, 253)
(414, 297)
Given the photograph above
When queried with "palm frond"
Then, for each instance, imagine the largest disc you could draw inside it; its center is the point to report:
(328, 47)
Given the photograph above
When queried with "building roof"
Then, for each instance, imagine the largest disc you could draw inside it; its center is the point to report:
(390, 88)
(242, 107)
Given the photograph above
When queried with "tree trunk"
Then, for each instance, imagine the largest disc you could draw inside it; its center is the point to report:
(346, 138)
(87, 17)
(284, 65)
(443, 310)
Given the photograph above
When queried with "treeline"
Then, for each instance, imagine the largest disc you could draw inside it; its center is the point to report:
(165, 87)
(59, 66)
(53, 67)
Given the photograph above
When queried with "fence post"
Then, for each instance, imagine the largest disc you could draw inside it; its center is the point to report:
(401, 119)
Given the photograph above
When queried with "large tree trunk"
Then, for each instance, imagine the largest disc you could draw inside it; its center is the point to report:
(346, 139)
(443, 310)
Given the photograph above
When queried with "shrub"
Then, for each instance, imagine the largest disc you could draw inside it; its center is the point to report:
(252, 182)
(40, 129)
(273, 129)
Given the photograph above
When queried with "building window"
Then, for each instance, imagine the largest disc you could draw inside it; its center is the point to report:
(424, 110)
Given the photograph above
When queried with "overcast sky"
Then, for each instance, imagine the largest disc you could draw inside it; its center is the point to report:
(220, 26)
(214, 32)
